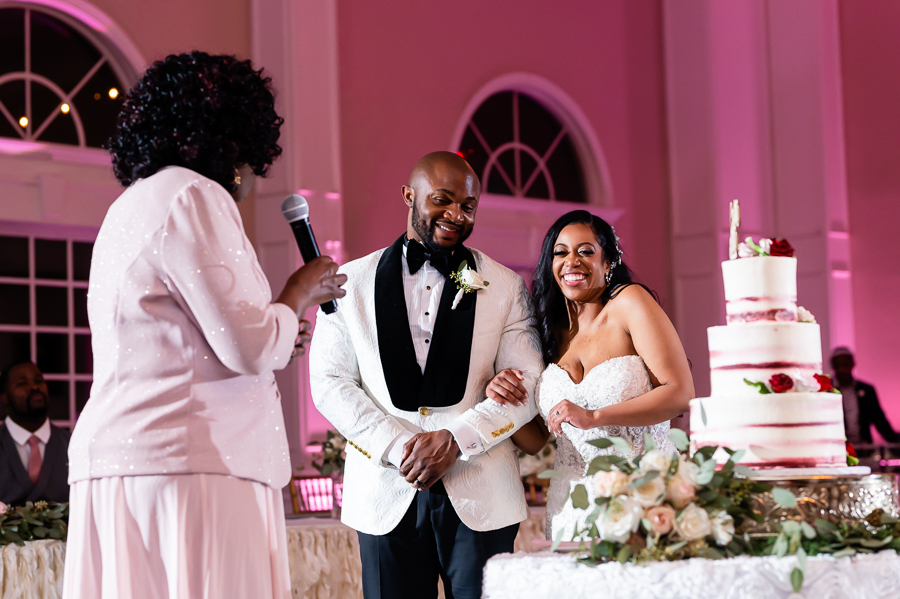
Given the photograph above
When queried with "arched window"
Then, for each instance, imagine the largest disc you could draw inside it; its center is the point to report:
(58, 84)
(520, 149)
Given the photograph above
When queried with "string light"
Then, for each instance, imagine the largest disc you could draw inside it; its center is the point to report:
(64, 109)
(97, 96)
(113, 93)
(23, 121)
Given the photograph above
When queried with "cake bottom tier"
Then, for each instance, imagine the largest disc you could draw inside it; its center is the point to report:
(783, 430)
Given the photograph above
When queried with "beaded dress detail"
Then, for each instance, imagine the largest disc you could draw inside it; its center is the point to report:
(611, 382)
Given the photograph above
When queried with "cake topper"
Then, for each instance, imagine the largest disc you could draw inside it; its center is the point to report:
(734, 218)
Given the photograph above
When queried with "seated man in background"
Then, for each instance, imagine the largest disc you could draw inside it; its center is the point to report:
(861, 406)
(33, 452)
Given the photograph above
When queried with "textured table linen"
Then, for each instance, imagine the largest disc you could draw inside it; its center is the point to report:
(34, 571)
(541, 575)
(323, 556)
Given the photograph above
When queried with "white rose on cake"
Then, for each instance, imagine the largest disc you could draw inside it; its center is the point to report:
(610, 484)
(722, 525)
(619, 519)
(804, 315)
(655, 460)
(693, 523)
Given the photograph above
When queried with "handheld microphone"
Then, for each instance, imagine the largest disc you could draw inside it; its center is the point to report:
(296, 212)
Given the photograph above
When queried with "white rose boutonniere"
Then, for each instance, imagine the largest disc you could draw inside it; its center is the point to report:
(467, 281)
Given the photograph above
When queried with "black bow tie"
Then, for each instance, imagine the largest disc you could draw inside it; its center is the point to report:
(417, 255)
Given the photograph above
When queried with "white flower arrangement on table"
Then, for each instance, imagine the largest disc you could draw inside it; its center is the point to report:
(659, 507)
(333, 455)
(467, 281)
(530, 465)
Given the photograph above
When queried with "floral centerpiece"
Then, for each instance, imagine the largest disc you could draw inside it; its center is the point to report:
(33, 522)
(334, 454)
(658, 507)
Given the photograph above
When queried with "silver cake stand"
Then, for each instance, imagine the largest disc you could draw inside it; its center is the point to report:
(831, 494)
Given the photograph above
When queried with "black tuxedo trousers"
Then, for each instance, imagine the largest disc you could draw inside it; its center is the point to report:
(429, 542)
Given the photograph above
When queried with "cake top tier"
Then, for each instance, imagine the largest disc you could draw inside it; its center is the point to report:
(760, 289)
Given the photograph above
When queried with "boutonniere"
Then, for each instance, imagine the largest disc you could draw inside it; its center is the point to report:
(467, 281)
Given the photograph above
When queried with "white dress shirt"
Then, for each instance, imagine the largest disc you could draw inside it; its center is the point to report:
(185, 339)
(21, 436)
(423, 297)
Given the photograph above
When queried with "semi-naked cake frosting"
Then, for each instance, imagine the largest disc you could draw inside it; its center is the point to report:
(768, 395)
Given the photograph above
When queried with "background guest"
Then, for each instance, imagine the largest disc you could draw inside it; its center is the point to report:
(178, 460)
(33, 461)
(861, 406)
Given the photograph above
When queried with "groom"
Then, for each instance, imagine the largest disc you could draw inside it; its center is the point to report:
(431, 482)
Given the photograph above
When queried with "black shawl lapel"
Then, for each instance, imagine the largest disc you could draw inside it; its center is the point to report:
(398, 355)
(447, 367)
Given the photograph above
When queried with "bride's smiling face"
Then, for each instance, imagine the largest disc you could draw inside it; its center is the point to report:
(579, 266)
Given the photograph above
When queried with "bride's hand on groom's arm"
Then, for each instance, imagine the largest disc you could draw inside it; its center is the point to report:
(427, 457)
(566, 411)
(507, 387)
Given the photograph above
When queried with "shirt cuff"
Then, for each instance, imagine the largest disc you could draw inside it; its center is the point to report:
(467, 438)
(394, 451)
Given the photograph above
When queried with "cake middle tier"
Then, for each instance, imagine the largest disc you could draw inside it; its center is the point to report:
(785, 430)
(757, 352)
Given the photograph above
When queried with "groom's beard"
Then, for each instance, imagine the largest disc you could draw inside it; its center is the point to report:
(425, 231)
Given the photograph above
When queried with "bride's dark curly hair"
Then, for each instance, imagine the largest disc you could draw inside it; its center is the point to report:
(549, 302)
(207, 113)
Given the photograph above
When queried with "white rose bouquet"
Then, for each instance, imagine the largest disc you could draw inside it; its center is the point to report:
(657, 506)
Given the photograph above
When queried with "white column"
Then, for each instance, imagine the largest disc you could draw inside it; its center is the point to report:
(754, 112)
(296, 43)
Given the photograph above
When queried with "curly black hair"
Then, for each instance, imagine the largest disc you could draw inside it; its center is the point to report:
(550, 309)
(207, 113)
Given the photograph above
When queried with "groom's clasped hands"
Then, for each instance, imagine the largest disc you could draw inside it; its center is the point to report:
(427, 457)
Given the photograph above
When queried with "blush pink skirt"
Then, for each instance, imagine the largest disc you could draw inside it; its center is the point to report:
(190, 536)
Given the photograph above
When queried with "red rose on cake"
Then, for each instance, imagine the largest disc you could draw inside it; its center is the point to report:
(781, 247)
(781, 383)
(825, 385)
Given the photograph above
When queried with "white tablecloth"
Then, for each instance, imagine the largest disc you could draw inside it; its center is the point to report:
(541, 575)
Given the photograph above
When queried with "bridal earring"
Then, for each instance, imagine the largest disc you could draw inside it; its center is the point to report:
(608, 277)
(237, 176)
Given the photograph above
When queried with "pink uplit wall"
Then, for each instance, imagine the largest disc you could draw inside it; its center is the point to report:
(871, 73)
(407, 73)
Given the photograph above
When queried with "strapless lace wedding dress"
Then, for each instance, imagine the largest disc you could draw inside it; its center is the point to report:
(611, 382)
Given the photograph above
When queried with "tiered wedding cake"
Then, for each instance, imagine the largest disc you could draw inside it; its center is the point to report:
(769, 396)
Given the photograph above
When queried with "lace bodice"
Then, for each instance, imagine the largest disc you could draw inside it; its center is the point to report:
(611, 382)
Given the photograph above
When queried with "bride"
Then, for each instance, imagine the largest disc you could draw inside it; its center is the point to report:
(616, 367)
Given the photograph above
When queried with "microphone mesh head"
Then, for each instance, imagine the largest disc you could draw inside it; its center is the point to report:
(294, 207)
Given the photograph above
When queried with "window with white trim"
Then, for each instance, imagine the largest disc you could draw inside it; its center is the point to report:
(519, 148)
(43, 313)
(56, 84)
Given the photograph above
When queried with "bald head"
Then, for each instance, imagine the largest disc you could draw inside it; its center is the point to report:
(442, 196)
(442, 160)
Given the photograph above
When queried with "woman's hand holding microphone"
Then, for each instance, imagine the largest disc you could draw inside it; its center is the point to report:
(316, 282)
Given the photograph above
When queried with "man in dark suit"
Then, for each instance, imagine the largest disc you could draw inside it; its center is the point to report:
(861, 406)
(33, 453)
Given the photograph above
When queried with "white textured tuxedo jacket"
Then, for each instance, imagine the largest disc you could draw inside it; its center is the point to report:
(350, 390)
